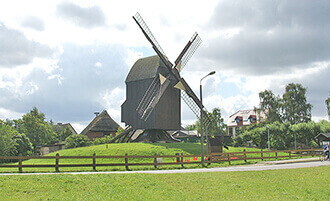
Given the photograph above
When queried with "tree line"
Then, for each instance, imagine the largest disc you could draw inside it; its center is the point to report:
(25, 135)
(288, 120)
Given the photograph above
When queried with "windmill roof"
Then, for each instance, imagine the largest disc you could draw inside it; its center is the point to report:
(144, 68)
(102, 123)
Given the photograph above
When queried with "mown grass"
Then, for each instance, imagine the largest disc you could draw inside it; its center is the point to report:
(132, 149)
(292, 184)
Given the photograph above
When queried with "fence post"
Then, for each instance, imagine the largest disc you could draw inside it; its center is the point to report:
(262, 156)
(244, 155)
(177, 158)
(290, 154)
(94, 162)
(126, 162)
(155, 160)
(57, 162)
(182, 160)
(228, 158)
(20, 168)
(276, 154)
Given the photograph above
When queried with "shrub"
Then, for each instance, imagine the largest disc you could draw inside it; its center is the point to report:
(103, 140)
(77, 141)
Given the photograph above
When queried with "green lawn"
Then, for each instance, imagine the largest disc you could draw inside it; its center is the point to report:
(131, 149)
(293, 184)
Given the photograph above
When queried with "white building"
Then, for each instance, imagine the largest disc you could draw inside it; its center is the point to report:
(243, 118)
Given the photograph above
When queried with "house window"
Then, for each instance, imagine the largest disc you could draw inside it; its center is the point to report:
(230, 131)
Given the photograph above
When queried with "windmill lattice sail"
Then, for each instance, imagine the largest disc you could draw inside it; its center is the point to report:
(187, 52)
(156, 89)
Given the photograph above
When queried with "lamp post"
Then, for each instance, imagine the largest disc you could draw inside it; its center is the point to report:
(268, 142)
(201, 99)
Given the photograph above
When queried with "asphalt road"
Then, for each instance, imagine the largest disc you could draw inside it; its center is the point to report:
(275, 165)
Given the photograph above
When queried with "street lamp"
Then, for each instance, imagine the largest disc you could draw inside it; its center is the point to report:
(201, 98)
(268, 142)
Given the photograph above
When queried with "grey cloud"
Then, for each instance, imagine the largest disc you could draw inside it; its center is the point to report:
(86, 17)
(317, 85)
(275, 36)
(34, 23)
(16, 49)
(82, 87)
(267, 14)
(121, 27)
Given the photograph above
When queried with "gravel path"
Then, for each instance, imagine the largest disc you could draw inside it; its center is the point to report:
(275, 165)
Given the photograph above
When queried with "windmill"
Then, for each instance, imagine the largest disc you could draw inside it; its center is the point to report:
(153, 86)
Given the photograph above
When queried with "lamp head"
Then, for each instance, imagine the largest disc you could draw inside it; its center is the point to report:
(211, 73)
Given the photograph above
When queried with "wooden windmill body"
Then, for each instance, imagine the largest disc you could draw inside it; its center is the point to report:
(166, 115)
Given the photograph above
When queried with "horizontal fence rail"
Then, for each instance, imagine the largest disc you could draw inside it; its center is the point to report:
(178, 159)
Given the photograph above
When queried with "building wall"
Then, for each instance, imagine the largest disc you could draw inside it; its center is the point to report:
(93, 135)
(50, 149)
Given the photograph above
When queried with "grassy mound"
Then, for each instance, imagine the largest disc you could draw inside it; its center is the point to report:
(131, 149)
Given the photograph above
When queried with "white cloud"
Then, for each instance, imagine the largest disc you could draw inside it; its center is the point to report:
(77, 63)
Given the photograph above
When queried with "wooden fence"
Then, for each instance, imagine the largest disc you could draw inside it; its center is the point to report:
(263, 154)
(157, 159)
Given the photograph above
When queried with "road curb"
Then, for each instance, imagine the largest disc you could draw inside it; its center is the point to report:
(302, 160)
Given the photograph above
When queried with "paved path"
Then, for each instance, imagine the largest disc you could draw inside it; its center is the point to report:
(274, 165)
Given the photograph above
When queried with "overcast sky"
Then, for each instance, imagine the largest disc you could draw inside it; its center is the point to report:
(70, 58)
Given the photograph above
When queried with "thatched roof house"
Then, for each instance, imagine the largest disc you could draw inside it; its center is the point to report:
(73, 131)
(102, 125)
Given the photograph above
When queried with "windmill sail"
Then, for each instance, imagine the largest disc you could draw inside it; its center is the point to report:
(148, 34)
(157, 89)
(152, 96)
(187, 52)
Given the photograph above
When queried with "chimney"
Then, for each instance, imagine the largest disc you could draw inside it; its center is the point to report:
(96, 113)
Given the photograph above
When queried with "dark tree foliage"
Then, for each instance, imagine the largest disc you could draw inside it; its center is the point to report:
(295, 106)
(65, 133)
(77, 141)
(217, 127)
(12, 143)
(38, 130)
(292, 107)
(271, 104)
(284, 135)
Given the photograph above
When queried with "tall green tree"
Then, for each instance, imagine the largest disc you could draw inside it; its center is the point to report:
(216, 127)
(65, 133)
(271, 105)
(38, 130)
(22, 144)
(7, 145)
(13, 143)
(295, 107)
